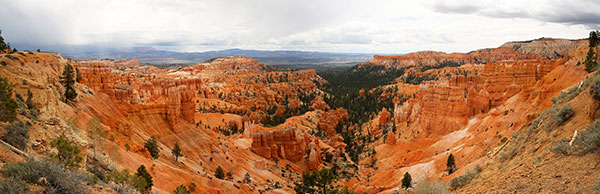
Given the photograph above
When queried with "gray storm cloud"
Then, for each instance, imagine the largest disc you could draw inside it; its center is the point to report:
(341, 26)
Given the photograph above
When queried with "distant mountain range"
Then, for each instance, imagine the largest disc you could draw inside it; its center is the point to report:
(154, 56)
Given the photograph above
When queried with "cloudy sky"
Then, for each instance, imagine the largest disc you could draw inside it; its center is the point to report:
(383, 26)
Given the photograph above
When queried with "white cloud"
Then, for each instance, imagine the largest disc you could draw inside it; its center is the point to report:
(343, 26)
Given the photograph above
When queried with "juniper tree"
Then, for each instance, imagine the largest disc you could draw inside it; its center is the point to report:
(176, 151)
(152, 146)
(406, 181)
(219, 173)
(146, 177)
(450, 164)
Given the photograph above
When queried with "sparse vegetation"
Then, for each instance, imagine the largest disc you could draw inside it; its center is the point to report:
(125, 182)
(57, 179)
(12, 186)
(595, 91)
(11, 57)
(16, 134)
(320, 182)
(435, 187)
(33, 110)
(564, 114)
(95, 133)
(465, 179)
(560, 147)
(589, 139)
(152, 146)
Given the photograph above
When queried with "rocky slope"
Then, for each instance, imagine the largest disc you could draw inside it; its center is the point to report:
(193, 106)
(468, 114)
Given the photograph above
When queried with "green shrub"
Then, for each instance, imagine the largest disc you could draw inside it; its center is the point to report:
(12, 186)
(12, 57)
(566, 96)
(564, 114)
(435, 187)
(596, 187)
(560, 147)
(125, 183)
(123, 189)
(68, 154)
(181, 189)
(509, 152)
(16, 134)
(3, 63)
(58, 180)
(588, 140)
(192, 187)
(561, 116)
(465, 179)
(595, 90)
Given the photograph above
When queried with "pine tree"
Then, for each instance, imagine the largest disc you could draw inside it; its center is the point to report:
(176, 151)
(3, 45)
(406, 181)
(219, 173)
(146, 176)
(450, 164)
(77, 75)
(591, 60)
(29, 102)
(594, 41)
(67, 80)
(152, 146)
(8, 105)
